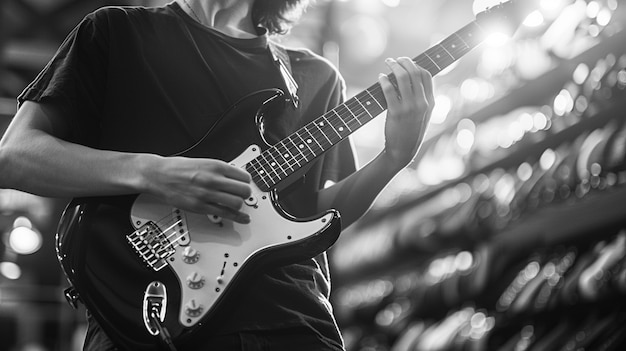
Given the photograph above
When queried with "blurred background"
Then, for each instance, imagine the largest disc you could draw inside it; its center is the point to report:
(506, 233)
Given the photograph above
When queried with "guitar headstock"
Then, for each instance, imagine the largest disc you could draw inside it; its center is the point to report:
(507, 16)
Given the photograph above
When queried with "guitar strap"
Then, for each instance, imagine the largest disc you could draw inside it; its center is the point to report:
(281, 60)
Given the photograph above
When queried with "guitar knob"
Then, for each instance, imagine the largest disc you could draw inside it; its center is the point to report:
(190, 255)
(193, 309)
(195, 280)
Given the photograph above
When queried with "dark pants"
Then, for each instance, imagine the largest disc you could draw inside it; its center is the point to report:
(300, 339)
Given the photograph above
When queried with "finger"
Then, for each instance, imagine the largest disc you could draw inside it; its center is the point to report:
(428, 93)
(427, 83)
(234, 172)
(403, 78)
(210, 185)
(226, 213)
(422, 84)
(227, 178)
(389, 91)
(234, 187)
(225, 200)
(414, 74)
(421, 81)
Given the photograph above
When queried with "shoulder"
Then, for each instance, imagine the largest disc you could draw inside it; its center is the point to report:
(129, 11)
(306, 56)
(310, 66)
(116, 15)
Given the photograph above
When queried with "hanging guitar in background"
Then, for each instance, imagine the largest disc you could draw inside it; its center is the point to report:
(161, 274)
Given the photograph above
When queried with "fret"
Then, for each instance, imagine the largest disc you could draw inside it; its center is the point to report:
(266, 171)
(469, 34)
(263, 174)
(293, 151)
(311, 137)
(341, 129)
(376, 100)
(273, 163)
(299, 150)
(448, 52)
(454, 45)
(426, 63)
(284, 155)
(356, 98)
(332, 126)
(306, 144)
(433, 61)
(442, 56)
(330, 143)
(256, 171)
(360, 113)
(289, 155)
(260, 174)
(356, 109)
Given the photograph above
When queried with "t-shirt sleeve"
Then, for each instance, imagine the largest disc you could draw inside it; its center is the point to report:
(339, 162)
(336, 164)
(75, 79)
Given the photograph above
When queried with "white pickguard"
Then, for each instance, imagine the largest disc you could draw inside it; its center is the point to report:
(222, 246)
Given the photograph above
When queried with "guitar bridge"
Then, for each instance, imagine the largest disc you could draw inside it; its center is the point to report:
(152, 245)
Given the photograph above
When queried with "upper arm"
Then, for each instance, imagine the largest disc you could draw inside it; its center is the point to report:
(37, 117)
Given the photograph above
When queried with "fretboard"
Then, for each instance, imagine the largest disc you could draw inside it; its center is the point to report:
(311, 141)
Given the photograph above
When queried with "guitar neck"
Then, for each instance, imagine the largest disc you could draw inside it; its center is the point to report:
(311, 141)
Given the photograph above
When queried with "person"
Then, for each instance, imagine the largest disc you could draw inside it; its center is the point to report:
(131, 87)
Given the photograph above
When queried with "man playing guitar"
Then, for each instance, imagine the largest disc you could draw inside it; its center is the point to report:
(132, 88)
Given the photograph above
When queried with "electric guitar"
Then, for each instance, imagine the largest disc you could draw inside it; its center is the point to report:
(151, 274)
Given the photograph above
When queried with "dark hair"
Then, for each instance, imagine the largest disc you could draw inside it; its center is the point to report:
(277, 16)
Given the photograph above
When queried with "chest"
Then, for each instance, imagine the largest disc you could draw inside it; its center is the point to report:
(168, 89)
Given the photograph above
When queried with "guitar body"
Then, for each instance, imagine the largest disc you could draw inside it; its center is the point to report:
(118, 251)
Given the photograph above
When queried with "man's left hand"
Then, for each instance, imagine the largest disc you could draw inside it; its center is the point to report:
(410, 103)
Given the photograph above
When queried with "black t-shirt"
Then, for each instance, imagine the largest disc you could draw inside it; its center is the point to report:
(154, 80)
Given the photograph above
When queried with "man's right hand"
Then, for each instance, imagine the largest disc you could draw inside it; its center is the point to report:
(205, 186)
(34, 157)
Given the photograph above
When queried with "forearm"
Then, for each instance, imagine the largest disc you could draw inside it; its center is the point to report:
(41, 164)
(410, 103)
(353, 196)
(34, 158)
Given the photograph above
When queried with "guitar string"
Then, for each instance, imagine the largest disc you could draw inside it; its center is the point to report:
(354, 107)
(437, 51)
(316, 130)
(454, 52)
(165, 221)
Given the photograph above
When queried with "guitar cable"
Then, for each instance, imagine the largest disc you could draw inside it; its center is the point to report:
(163, 333)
